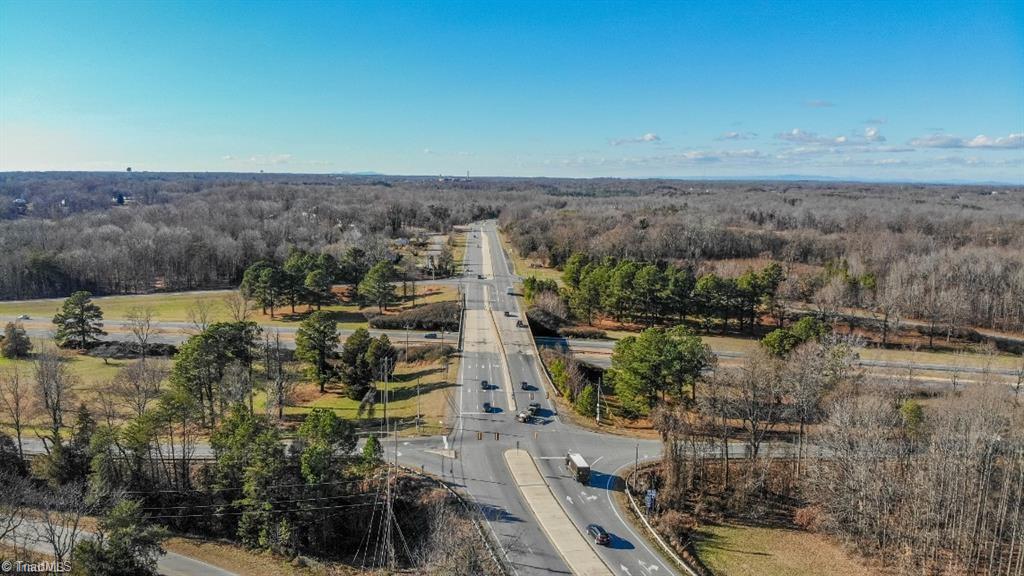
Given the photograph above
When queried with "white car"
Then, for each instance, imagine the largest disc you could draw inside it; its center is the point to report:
(23, 317)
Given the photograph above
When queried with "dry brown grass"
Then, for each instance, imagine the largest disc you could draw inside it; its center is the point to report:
(739, 550)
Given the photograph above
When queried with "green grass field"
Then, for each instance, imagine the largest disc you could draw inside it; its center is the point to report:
(433, 402)
(176, 306)
(737, 550)
(91, 372)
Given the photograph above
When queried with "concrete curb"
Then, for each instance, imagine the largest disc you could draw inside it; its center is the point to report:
(570, 543)
(510, 391)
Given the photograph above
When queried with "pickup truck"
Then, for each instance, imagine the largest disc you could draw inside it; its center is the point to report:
(523, 417)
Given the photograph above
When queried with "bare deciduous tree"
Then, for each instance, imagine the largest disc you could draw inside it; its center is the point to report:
(16, 402)
(13, 505)
(60, 523)
(200, 314)
(280, 381)
(142, 327)
(238, 306)
(54, 390)
(138, 385)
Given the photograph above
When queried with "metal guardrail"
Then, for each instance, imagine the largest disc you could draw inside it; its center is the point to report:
(657, 537)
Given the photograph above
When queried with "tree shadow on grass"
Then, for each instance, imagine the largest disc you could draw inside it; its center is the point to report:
(705, 539)
(407, 377)
(340, 316)
(410, 392)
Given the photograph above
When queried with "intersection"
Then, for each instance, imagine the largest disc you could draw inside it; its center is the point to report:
(495, 350)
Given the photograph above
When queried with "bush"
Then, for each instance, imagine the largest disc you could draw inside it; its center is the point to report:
(809, 518)
(544, 323)
(427, 353)
(435, 316)
(121, 350)
(583, 332)
(675, 524)
(586, 402)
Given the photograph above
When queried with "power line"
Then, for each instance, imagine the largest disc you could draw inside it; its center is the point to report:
(214, 490)
(215, 514)
(270, 502)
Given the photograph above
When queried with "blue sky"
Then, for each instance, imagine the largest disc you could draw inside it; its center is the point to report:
(874, 90)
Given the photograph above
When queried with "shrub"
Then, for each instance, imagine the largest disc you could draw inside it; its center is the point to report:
(435, 316)
(543, 322)
(426, 353)
(675, 524)
(586, 402)
(809, 518)
(583, 332)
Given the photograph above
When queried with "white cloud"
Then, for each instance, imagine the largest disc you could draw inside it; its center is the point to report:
(797, 136)
(648, 137)
(1013, 140)
(275, 159)
(717, 155)
(428, 151)
(938, 141)
(227, 157)
(737, 136)
(804, 137)
(876, 121)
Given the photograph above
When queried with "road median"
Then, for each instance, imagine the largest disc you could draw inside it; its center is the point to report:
(563, 534)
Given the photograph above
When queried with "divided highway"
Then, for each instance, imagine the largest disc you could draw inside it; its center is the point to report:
(501, 354)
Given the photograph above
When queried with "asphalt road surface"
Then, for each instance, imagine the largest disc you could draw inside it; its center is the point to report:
(496, 351)
(28, 535)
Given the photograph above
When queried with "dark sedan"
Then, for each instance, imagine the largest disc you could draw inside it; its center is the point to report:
(599, 535)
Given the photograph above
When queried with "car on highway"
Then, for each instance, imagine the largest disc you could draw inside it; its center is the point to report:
(533, 408)
(481, 277)
(507, 313)
(599, 535)
(488, 408)
(524, 417)
(430, 335)
(23, 317)
(484, 385)
(510, 291)
(524, 386)
(520, 324)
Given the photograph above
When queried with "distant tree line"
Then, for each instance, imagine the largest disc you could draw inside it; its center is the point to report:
(952, 256)
(649, 293)
(184, 232)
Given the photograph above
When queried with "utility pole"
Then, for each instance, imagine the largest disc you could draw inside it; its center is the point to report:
(384, 380)
(407, 326)
(600, 382)
(636, 462)
(417, 405)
